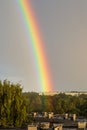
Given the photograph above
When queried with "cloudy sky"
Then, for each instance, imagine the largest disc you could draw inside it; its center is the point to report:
(63, 26)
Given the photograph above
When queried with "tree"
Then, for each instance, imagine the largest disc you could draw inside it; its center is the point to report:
(12, 106)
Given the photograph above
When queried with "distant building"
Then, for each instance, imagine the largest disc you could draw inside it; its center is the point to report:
(32, 127)
(81, 125)
(48, 93)
(72, 93)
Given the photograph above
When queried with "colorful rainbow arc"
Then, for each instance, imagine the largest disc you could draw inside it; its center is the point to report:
(37, 44)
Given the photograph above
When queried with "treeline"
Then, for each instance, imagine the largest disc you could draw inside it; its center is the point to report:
(58, 104)
(16, 106)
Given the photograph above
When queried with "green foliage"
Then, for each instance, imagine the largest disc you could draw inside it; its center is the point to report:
(33, 102)
(58, 103)
(12, 105)
(16, 107)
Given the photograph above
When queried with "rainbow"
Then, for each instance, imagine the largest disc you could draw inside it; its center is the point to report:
(37, 45)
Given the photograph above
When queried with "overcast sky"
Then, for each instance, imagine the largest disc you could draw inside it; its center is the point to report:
(63, 25)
